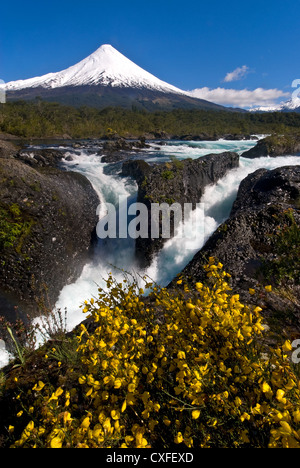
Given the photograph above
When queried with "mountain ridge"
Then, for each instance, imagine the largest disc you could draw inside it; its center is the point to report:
(105, 78)
(292, 105)
(105, 66)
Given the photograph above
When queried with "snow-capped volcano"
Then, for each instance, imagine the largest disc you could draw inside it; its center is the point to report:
(105, 78)
(106, 67)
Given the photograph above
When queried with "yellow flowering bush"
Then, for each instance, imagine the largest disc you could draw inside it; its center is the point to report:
(186, 366)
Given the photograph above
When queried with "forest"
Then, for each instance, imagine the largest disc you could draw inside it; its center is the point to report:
(40, 119)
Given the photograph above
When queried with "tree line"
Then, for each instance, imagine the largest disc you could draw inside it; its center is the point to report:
(40, 119)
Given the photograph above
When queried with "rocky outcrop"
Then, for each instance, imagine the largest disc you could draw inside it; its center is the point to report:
(41, 157)
(259, 244)
(119, 149)
(47, 220)
(7, 149)
(215, 137)
(273, 146)
(174, 182)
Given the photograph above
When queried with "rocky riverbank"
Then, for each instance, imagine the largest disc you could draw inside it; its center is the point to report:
(174, 182)
(275, 145)
(259, 245)
(47, 221)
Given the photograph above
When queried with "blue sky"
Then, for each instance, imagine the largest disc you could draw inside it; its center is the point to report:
(190, 44)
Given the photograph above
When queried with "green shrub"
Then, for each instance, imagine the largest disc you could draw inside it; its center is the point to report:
(178, 368)
(167, 175)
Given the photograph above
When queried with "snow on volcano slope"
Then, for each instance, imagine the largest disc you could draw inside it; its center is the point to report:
(106, 67)
(288, 106)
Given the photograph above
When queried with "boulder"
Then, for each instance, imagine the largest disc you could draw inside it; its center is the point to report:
(259, 244)
(120, 149)
(273, 146)
(40, 157)
(47, 222)
(174, 182)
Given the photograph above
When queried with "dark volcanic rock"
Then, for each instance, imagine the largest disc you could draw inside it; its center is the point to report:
(174, 182)
(40, 157)
(47, 219)
(273, 146)
(119, 149)
(248, 241)
(137, 169)
(7, 149)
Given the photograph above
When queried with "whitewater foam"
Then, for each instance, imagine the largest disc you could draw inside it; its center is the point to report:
(177, 252)
(217, 201)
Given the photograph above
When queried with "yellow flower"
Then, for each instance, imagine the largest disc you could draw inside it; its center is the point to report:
(296, 416)
(257, 409)
(287, 346)
(131, 388)
(279, 395)
(195, 414)
(252, 291)
(56, 442)
(178, 438)
(39, 386)
(285, 428)
(107, 425)
(245, 416)
(156, 407)
(118, 383)
(268, 288)
(82, 380)
(58, 392)
(266, 387)
(115, 414)
(66, 417)
(238, 402)
(139, 439)
(30, 426)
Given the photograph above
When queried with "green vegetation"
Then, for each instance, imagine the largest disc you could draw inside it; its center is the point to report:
(286, 265)
(179, 165)
(13, 227)
(188, 367)
(168, 175)
(43, 119)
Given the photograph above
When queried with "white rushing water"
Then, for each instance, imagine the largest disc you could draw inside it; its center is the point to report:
(216, 205)
(177, 252)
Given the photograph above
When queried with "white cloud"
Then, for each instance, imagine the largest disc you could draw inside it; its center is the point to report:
(237, 74)
(243, 98)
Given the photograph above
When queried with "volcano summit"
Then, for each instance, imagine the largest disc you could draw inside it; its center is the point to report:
(106, 78)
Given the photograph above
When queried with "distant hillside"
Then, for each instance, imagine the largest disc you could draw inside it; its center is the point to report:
(100, 97)
(40, 119)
